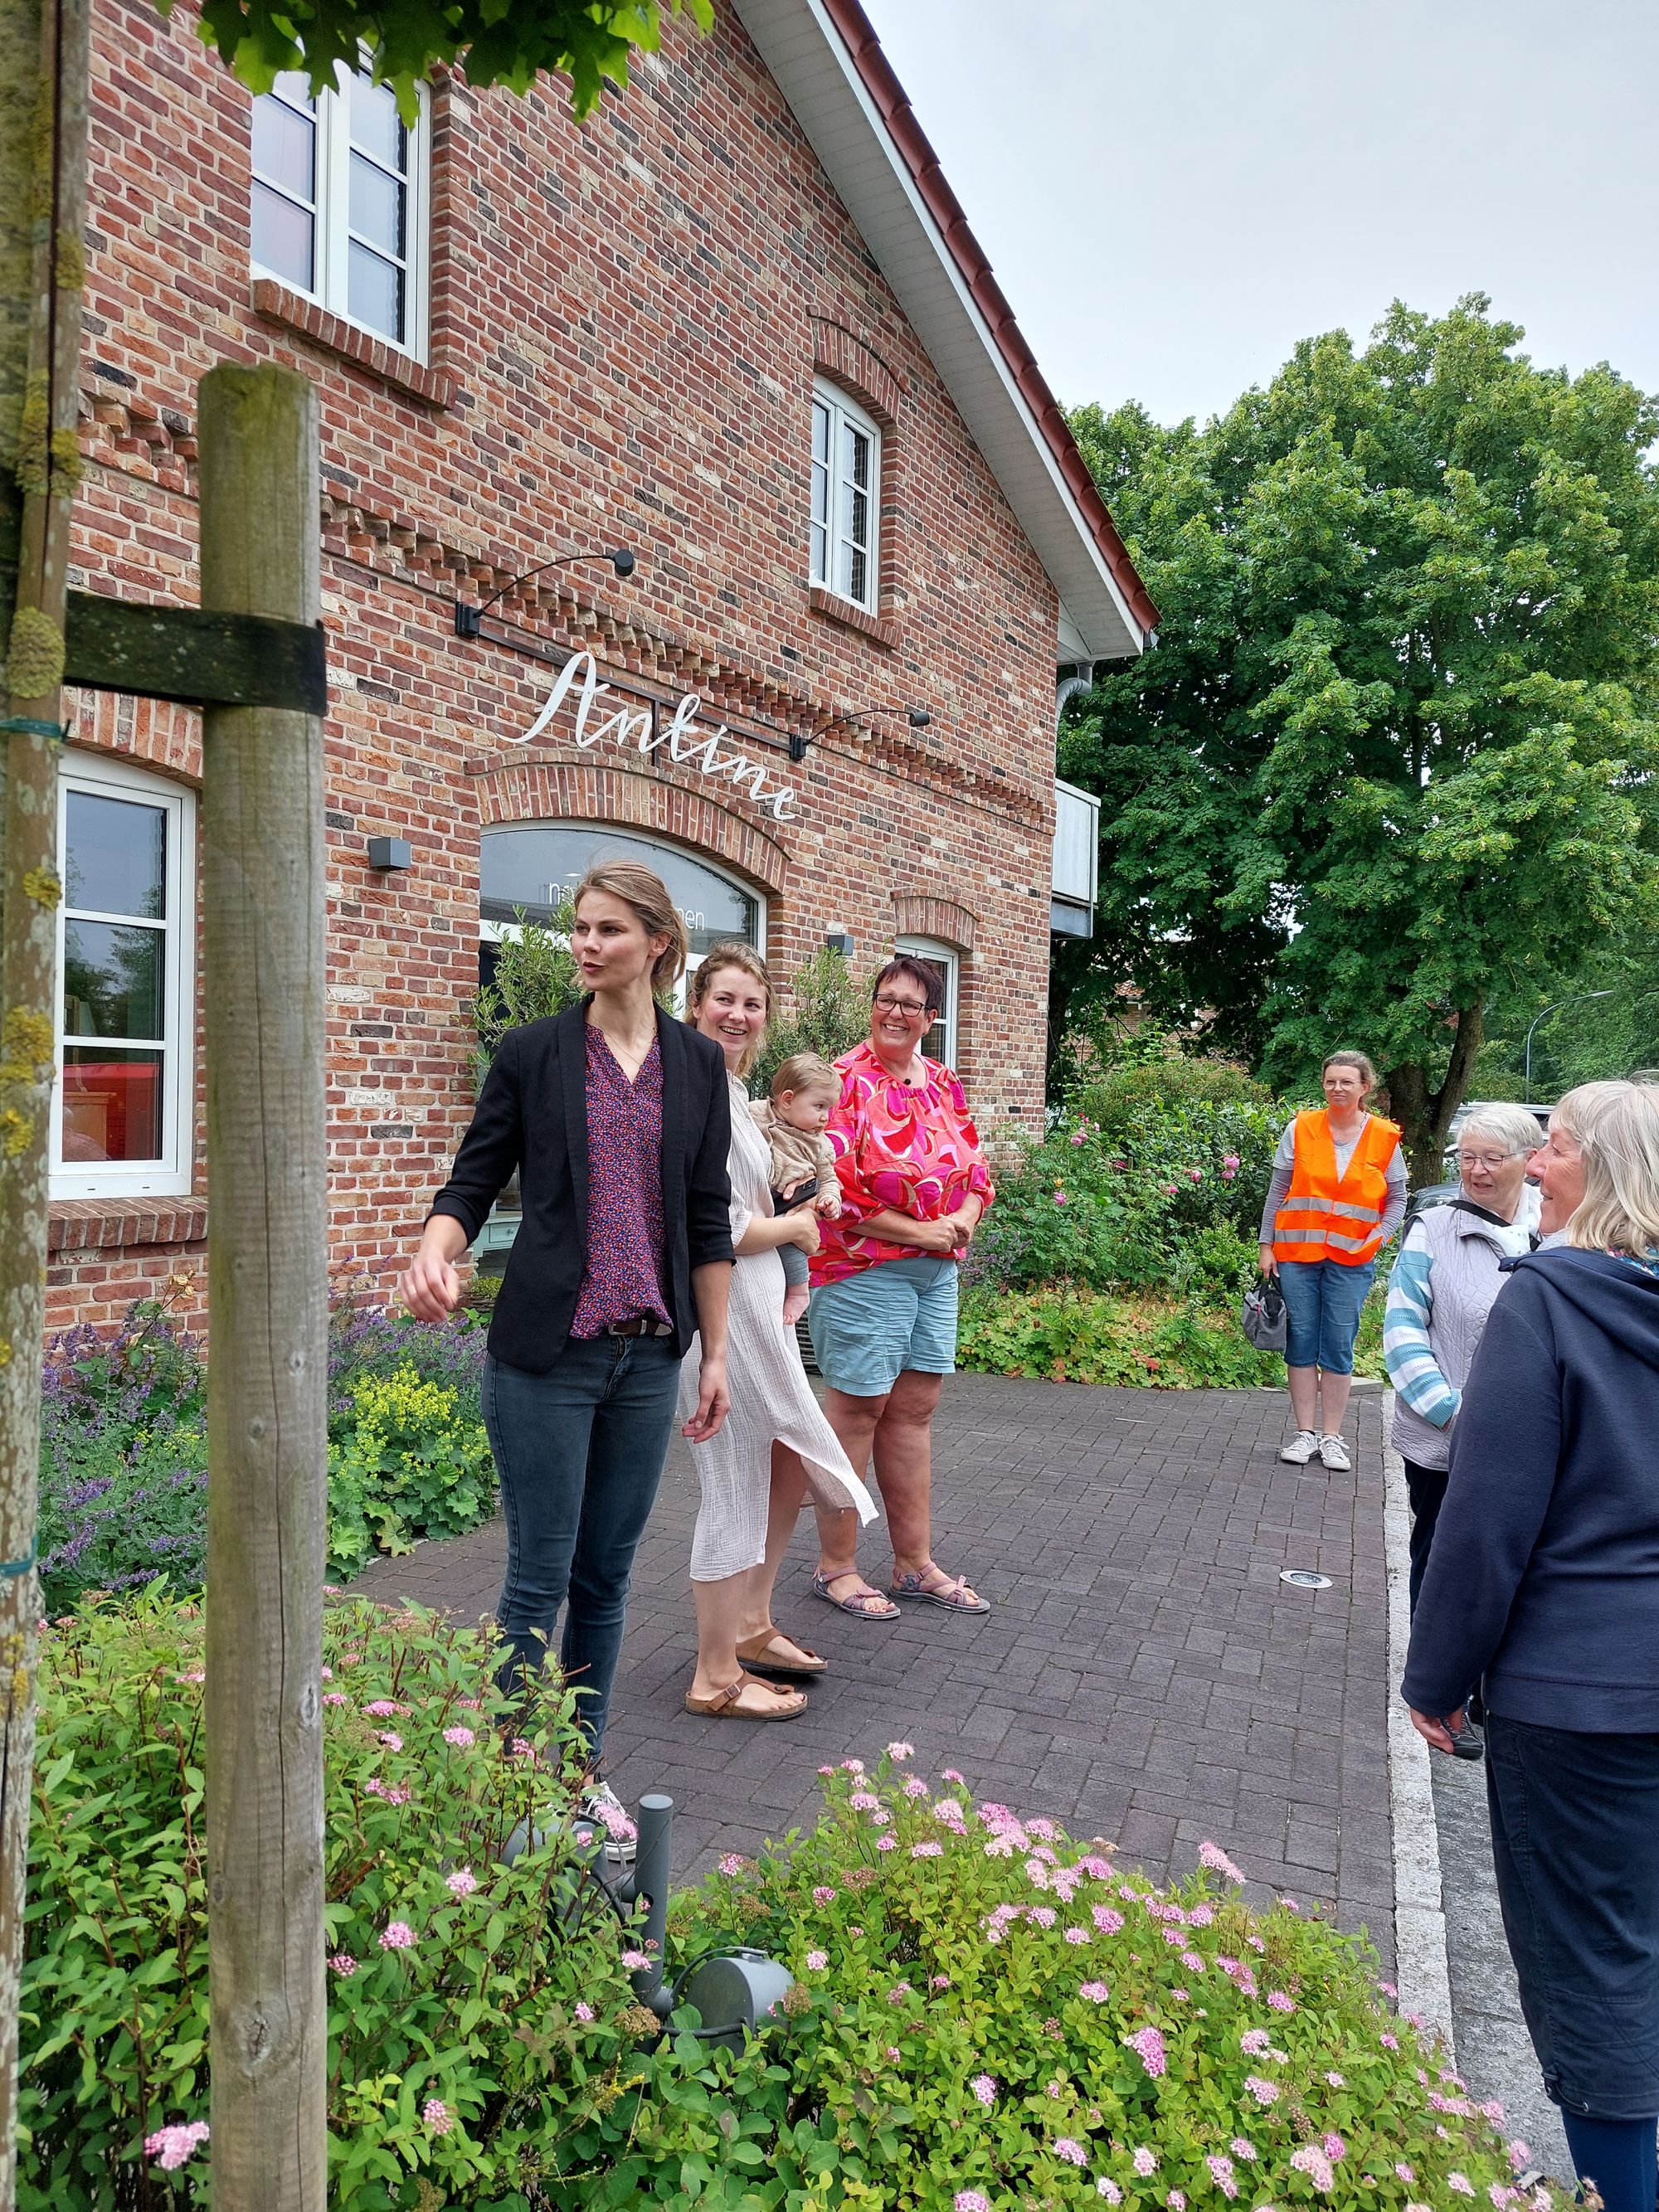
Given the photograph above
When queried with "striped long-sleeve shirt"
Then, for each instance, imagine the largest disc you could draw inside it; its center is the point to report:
(1439, 1295)
(1407, 1352)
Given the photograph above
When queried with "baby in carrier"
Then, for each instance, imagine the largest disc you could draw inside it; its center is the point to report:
(793, 1120)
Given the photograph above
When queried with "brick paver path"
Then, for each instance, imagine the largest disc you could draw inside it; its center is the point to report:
(1144, 1675)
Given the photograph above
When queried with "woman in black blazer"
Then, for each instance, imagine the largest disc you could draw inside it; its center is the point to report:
(616, 1117)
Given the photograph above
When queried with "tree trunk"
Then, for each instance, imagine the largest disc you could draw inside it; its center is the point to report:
(43, 170)
(1425, 1116)
(262, 836)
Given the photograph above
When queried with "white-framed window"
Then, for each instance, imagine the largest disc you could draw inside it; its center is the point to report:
(126, 927)
(339, 202)
(940, 1041)
(845, 525)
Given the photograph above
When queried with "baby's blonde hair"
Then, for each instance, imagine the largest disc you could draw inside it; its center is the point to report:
(805, 1070)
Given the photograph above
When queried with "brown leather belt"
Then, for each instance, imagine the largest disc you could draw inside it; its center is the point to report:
(641, 1325)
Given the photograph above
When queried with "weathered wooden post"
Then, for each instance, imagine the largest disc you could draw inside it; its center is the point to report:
(262, 844)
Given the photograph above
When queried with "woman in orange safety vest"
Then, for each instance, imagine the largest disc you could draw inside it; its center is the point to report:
(1337, 1193)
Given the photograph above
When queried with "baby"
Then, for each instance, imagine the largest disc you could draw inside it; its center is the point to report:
(793, 1120)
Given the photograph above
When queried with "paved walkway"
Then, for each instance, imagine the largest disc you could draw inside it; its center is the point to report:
(1144, 1675)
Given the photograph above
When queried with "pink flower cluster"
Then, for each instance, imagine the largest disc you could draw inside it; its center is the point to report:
(1311, 2161)
(1147, 2044)
(436, 2115)
(382, 1709)
(1096, 1992)
(397, 1936)
(461, 1883)
(171, 2146)
(1212, 1855)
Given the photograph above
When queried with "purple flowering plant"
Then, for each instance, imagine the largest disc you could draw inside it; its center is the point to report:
(477, 2012)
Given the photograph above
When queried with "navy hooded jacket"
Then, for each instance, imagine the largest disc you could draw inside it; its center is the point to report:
(1544, 1572)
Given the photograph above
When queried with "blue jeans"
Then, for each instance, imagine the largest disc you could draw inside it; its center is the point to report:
(579, 1452)
(1323, 1298)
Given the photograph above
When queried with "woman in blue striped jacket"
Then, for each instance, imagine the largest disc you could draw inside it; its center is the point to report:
(1442, 1289)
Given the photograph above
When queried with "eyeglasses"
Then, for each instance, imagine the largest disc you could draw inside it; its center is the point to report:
(1490, 1161)
(889, 1005)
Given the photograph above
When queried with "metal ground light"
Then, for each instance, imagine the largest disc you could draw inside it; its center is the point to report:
(737, 1992)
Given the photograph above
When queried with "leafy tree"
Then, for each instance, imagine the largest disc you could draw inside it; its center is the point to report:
(1382, 781)
(535, 975)
(825, 1012)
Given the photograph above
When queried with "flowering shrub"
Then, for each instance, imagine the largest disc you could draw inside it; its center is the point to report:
(988, 2016)
(476, 2012)
(407, 1464)
(1067, 1335)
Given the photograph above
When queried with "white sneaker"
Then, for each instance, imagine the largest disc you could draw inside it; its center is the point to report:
(1302, 1447)
(599, 1804)
(1334, 1454)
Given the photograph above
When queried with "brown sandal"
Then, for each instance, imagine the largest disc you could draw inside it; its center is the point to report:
(753, 1653)
(726, 1704)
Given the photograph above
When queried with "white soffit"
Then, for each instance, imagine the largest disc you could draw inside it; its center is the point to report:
(816, 75)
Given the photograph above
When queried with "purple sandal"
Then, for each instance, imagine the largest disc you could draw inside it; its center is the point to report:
(952, 1597)
(851, 1603)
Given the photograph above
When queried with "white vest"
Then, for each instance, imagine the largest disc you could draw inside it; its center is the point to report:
(1464, 1253)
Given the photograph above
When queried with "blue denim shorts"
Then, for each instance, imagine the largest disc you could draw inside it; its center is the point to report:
(868, 1327)
(1323, 1298)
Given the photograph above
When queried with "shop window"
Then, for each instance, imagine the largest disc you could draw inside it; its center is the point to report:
(846, 497)
(940, 1041)
(121, 1110)
(339, 202)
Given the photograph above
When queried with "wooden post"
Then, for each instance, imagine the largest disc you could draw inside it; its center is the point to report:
(262, 852)
(43, 197)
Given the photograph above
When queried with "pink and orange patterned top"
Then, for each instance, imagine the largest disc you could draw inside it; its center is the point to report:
(901, 1148)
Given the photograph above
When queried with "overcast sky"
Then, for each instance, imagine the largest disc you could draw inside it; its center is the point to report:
(1173, 192)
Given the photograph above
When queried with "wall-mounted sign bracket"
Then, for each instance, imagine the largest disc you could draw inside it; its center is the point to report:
(194, 656)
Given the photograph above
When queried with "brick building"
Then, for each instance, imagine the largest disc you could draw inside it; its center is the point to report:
(738, 325)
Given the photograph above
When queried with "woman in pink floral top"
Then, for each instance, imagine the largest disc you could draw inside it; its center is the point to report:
(913, 1184)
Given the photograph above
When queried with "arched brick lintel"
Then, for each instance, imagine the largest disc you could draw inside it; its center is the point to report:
(579, 790)
(916, 917)
(153, 733)
(847, 361)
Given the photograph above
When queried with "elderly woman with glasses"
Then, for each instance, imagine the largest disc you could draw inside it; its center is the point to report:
(1543, 1585)
(1441, 1291)
(882, 1315)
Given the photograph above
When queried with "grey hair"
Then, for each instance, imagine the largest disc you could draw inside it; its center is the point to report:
(1616, 1126)
(1511, 1127)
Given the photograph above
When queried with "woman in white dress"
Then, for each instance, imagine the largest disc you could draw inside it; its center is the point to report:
(776, 1444)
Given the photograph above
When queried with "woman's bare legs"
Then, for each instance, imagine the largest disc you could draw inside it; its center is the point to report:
(1334, 1401)
(721, 1607)
(854, 1421)
(896, 1430)
(787, 1495)
(1304, 1396)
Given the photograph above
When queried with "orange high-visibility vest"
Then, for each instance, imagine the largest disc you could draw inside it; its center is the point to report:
(1325, 1216)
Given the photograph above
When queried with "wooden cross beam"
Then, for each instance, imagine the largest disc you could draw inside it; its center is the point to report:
(194, 656)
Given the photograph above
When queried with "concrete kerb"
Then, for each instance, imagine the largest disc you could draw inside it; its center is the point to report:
(1422, 1974)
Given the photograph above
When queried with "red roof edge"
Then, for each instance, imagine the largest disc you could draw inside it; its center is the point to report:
(893, 103)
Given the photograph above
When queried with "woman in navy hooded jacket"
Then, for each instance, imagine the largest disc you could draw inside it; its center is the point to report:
(1543, 1584)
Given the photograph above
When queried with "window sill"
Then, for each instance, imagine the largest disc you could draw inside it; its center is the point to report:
(97, 1224)
(433, 387)
(881, 628)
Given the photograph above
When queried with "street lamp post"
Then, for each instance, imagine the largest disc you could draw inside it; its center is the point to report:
(1578, 999)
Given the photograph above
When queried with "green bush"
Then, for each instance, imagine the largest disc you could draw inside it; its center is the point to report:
(987, 2017)
(477, 2013)
(826, 1010)
(535, 975)
(407, 1463)
(1072, 1212)
(1117, 1098)
(1066, 1334)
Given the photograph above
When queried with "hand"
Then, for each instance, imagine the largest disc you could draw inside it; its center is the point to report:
(714, 1401)
(797, 1193)
(1438, 1734)
(431, 1288)
(964, 1221)
(1265, 1259)
(938, 1236)
(803, 1228)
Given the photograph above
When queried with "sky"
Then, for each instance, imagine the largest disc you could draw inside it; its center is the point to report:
(1172, 194)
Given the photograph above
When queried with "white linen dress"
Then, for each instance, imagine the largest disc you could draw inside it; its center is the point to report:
(771, 1399)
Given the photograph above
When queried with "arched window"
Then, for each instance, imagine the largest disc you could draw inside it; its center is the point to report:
(529, 867)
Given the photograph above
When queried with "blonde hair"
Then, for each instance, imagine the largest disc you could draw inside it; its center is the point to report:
(646, 895)
(806, 1071)
(1616, 1127)
(1367, 1073)
(732, 952)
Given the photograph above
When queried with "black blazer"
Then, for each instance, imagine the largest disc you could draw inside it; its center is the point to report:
(532, 1115)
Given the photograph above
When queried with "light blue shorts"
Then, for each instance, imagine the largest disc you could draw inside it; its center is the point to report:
(868, 1327)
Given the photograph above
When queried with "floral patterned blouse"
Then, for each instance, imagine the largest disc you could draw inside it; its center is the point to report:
(899, 1148)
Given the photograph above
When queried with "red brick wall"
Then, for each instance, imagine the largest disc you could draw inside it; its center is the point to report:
(626, 320)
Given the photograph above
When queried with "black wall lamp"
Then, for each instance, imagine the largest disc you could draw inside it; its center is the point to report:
(469, 618)
(839, 940)
(390, 852)
(919, 719)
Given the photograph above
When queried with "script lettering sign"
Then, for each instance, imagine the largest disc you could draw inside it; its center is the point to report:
(636, 728)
